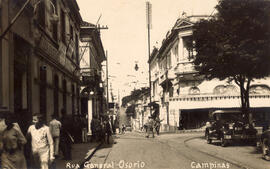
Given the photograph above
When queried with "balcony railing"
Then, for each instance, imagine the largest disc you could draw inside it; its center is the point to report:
(185, 67)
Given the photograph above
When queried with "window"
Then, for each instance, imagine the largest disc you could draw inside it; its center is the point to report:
(259, 89)
(188, 47)
(42, 90)
(64, 94)
(54, 31)
(194, 90)
(176, 53)
(63, 26)
(77, 49)
(169, 61)
(71, 39)
(154, 89)
(78, 100)
(54, 24)
(171, 91)
(73, 99)
(55, 94)
(71, 32)
(54, 7)
(41, 14)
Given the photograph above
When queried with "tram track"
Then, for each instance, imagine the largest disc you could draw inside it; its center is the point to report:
(237, 164)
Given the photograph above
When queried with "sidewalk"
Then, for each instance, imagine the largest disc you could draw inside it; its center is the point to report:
(79, 153)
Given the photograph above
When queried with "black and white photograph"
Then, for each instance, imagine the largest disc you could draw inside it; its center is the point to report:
(134, 84)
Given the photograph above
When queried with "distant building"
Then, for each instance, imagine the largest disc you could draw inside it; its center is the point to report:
(185, 98)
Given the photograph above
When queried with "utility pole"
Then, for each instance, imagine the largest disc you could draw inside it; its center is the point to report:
(149, 20)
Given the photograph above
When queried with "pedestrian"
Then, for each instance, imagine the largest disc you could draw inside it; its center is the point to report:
(41, 143)
(157, 123)
(66, 139)
(150, 127)
(55, 127)
(102, 132)
(95, 128)
(108, 130)
(12, 139)
(123, 128)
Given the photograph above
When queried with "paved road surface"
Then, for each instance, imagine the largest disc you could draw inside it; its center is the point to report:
(174, 151)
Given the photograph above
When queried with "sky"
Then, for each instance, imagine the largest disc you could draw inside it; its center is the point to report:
(126, 39)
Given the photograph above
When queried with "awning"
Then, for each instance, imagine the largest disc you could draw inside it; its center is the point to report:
(217, 102)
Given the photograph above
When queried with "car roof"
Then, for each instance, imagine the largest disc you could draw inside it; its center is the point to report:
(226, 111)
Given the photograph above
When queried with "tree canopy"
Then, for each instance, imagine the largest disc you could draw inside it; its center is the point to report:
(134, 96)
(234, 43)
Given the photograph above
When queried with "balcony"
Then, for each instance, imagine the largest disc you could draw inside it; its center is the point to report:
(185, 68)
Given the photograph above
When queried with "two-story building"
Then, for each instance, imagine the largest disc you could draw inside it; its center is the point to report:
(92, 84)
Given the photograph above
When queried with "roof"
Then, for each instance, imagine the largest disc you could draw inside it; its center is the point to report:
(73, 5)
(90, 30)
(87, 24)
(183, 23)
(153, 54)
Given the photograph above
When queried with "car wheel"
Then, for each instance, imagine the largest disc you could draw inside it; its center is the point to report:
(265, 150)
(209, 141)
(223, 142)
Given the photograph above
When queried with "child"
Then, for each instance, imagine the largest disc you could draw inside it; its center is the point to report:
(42, 143)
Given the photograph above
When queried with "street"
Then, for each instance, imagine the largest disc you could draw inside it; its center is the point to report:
(172, 151)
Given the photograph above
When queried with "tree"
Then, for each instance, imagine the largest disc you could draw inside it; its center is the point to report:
(131, 99)
(234, 44)
(130, 111)
(134, 96)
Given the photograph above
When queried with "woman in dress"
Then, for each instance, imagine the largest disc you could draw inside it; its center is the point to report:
(41, 143)
(12, 144)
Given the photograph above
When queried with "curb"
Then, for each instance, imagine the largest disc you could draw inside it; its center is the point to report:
(87, 158)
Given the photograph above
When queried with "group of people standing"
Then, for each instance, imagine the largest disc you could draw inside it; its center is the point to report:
(39, 145)
(101, 130)
(153, 123)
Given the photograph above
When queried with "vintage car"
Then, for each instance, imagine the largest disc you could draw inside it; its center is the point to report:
(265, 144)
(129, 128)
(228, 126)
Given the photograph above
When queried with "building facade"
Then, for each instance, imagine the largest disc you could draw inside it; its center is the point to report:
(40, 58)
(92, 82)
(185, 98)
